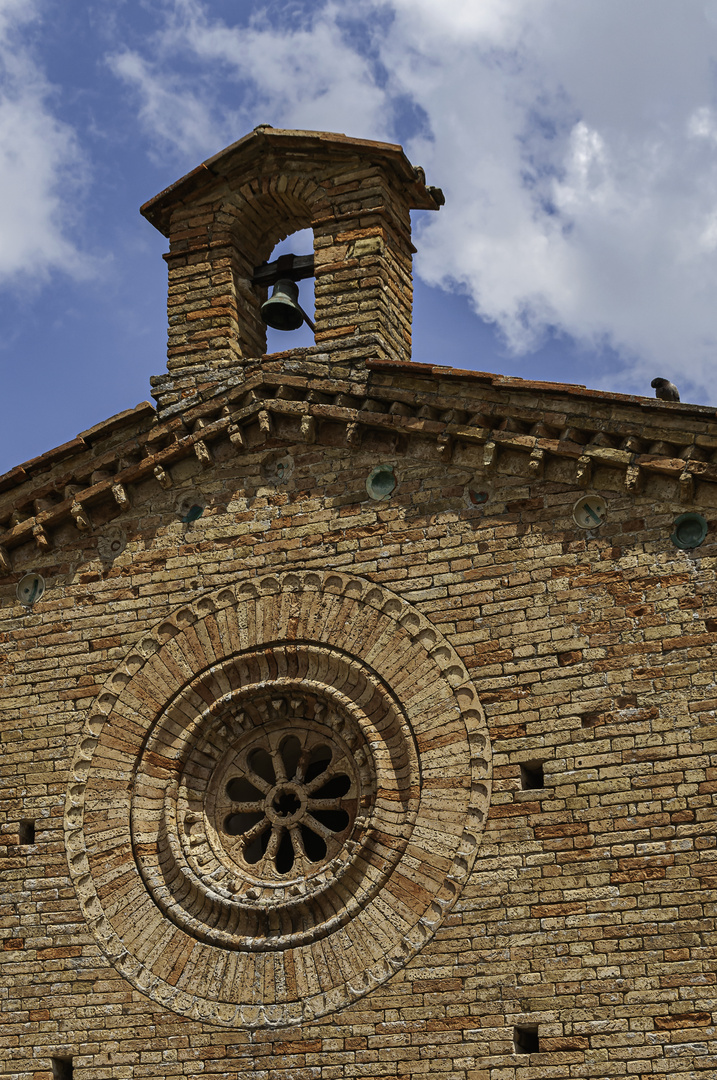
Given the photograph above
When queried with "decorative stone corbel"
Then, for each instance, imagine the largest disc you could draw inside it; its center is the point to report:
(536, 464)
(265, 423)
(120, 496)
(353, 434)
(307, 430)
(5, 560)
(687, 486)
(41, 538)
(79, 513)
(203, 453)
(490, 455)
(585, 471)
(444, 446)
(163, 478)
(633, 479)
(236, 437)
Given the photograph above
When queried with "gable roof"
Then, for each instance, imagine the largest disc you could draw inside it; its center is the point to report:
(308, 145)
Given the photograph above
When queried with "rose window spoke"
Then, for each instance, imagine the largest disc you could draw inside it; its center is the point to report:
(335, 788)
(256, 830)
(242, 791)
(256, 849)
(329, 804)
(278, 764)
(314, 845)
(261, 769)
(291, 753)
(330, 836)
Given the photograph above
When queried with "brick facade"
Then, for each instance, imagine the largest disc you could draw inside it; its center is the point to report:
(512, 717)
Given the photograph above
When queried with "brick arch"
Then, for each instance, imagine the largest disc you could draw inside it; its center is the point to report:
(265, 219)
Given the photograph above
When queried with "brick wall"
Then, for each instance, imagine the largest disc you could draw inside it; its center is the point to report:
(589, 912)
(331, 580)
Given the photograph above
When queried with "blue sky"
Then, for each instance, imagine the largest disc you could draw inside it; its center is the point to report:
(576, 144)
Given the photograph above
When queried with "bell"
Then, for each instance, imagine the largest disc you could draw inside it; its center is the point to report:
(281, 311)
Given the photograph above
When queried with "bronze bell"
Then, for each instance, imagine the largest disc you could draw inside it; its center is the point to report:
(281, 311)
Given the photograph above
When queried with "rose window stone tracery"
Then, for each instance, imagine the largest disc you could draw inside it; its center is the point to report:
(286, 801)
(296, 854)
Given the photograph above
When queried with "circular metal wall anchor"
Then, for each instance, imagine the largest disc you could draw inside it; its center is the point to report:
(277, 467)
(190, 507)
(589, 512)
(380, 482)
(474, 497)
(689, 531)
(30, 589)
(111, 544)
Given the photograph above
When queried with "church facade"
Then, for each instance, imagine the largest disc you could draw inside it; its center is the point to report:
(358, 715)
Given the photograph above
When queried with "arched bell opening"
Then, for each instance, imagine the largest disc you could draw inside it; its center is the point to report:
(273, 252)
(295, 253)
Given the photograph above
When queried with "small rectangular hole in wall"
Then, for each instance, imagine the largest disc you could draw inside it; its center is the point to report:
(27, 831)
(531, 775)
(61, 1068)
(525, 1039)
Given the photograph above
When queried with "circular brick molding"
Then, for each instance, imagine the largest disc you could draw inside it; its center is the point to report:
(277, 799)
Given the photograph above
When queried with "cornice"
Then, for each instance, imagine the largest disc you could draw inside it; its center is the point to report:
(522, 426)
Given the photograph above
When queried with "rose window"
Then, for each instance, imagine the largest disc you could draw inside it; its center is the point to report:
(287, 802)
(276, 799)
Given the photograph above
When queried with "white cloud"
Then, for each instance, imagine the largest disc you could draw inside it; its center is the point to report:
(580, 195)
(40, 163)
(703, 124)
(176, 117)
(576, 143)
(306, 77)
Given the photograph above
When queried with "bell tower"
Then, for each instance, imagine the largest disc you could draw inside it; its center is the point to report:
(225, 217)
